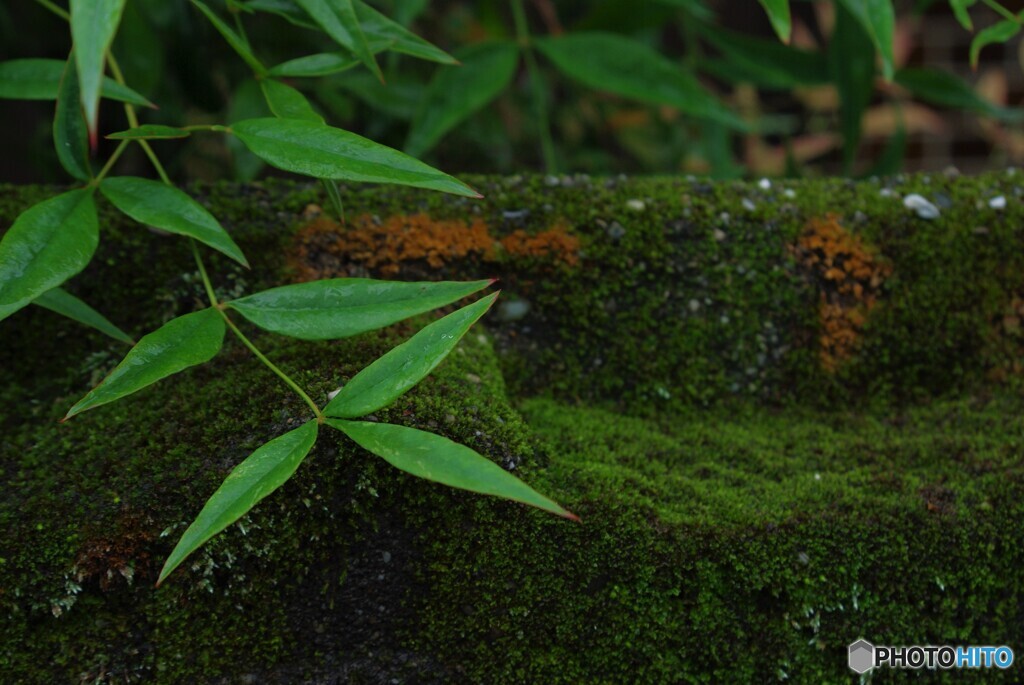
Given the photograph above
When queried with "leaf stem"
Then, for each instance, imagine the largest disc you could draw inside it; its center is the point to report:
(547, 144)
(133, 120)
(1002, 11)
(60, 12)
(110, 163)
(245, 341)
(270, 365)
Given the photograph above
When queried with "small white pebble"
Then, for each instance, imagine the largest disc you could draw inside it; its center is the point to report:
(886, 192)
(636, 205)
(921, 206)
(719, 234)
(694, 306)
(789, 192)
(764, 184)
(748, 204)
(997, 202)
(332, 394)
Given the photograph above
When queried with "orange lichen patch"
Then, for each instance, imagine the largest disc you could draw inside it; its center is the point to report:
(556, 242)
(325, 249)
(849, 276)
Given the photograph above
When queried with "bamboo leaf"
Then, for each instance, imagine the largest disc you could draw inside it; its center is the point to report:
(997, 33)
(288, 103)
(778, 15)
(39, 79)
(262, 472)
(939, 87)
(457, 92)
(852, 64)
(48, 243)
(93, 25)
(70, 135)
(339, 21)
(343, 307)
(398, 371)
(765, 62)
(436, 458)
(320, 151)
(64, 303)
(180, 343)
(878, 20)
(237, 42)
(960, 11)
(615, 64)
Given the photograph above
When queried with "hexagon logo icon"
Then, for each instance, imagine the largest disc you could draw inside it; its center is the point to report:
(862, 656)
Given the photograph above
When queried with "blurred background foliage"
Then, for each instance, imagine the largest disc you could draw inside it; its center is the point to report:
(596, 86)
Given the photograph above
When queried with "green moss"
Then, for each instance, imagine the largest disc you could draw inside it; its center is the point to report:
(749, 517)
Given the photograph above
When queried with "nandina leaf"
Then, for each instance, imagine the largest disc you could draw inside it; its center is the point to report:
(287, 102)
(878, 19)
(66, 304)
(93, 25)
(398, 371)
(437, 458)
(343, 307)
(39, 79)
(262, 472)
(70, 135)
(180, 343)
(999, 32)
(320, 151)
(320, 64)
(457, 92)
(49, 243)
(163, 206)
(239, 44)
(379, 29)
(778, 15)
(339, 21)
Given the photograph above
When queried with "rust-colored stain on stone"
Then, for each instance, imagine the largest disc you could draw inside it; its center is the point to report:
(326, 249)
(849, 276)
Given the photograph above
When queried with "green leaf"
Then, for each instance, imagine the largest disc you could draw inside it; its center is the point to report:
(457, 92)
(891, 160)
(286, 9)
(180, 343)
(320, 151)
(288, 103)
(436, 458)
(163, 206)
(962, 15)
(778, 15)
(70, 136)
(612, 63)
(66, 304)
(380, 29)
(247, 102)
(398, 371)
(150, 132)
(262, 472)
(237, 42)
(852, 64)
(399, 98)
(997, 33)
(321, 64)
(49, 243)
(764, 62)
(939, 87)
(39, 79)
(93, 25)
(343, 307)
(339, 21)
(878, 20)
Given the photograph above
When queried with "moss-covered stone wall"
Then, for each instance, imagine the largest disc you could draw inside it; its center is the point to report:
(788, 414)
